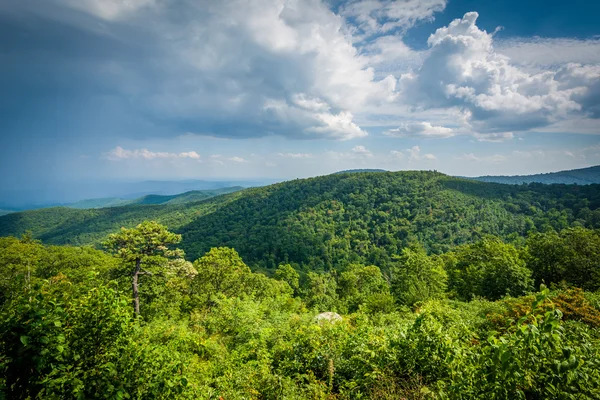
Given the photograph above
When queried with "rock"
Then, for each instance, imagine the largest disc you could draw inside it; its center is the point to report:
(328, 316)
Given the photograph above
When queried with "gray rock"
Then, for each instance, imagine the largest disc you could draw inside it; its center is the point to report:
(328, 316)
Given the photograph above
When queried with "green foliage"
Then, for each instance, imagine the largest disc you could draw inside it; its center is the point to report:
(362, 285)
(287, 273)
(536, 360)
(488, 268)
(573, 255)
(145, 245)
(417, 277)
(329, 222)
(320, 291)
(406, 258)
(148, 242)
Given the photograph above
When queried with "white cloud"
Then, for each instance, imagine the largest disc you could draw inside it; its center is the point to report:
(420, 129)
(295, 155)
(493, 137)
(380, 16)
(119, 153)
(463, 70)
(361, 151)
(357, 153)
(496, 158)
(549, 52)
(397, 155)
(338, 126)
(414, 154)
(297, 68)
(237, 159)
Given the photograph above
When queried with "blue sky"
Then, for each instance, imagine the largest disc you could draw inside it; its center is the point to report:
(179, 89)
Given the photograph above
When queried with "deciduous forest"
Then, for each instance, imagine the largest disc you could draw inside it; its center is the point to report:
(367, 285)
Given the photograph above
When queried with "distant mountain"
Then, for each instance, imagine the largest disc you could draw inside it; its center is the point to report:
(105, 193)
(583, 176)
(154, 199)
(99, 203)
(4, 212)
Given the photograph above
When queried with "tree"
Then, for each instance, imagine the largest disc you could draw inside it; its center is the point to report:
(417, 277)
(489, 268)
(287, 273)
(145, 245)
(220, 271)
(358, 284)
(573, 255)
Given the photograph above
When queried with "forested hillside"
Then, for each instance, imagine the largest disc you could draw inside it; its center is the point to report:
(62, 225)
(473, 323)
(330, 221)
(583, 176)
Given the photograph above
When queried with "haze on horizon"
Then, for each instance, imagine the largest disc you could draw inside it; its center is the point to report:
(112, 90)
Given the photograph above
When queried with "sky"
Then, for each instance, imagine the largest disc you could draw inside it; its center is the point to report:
(107, 90)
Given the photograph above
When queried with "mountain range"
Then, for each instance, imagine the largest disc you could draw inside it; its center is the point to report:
(320, 223)
(582, 176)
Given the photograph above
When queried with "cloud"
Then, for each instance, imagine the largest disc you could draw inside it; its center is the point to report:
(302, 69)
(414, 154)
(361, 151)
(496, 158)
(420, 129)
(395, 154)
(106, 9)
(357, 153)
(549, 52)
(119, 153)
(229, 68)
(463, 70)
(371, 17)
(494, 137)
(295, 155)
(221, 160)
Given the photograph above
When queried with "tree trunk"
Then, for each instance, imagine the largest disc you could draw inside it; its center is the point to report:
(136, 296)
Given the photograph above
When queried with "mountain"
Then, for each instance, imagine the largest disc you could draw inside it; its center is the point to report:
(105, 193)
(328, 221)
(99, 203)
(583, 176)
(186, 197)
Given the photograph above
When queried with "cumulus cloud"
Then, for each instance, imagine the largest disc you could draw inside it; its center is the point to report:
(420, 129)
(237, 159)
(229, 68)
(302, 69)
(119, 153)
(370, 17)
(463, 70)
(414, 154)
